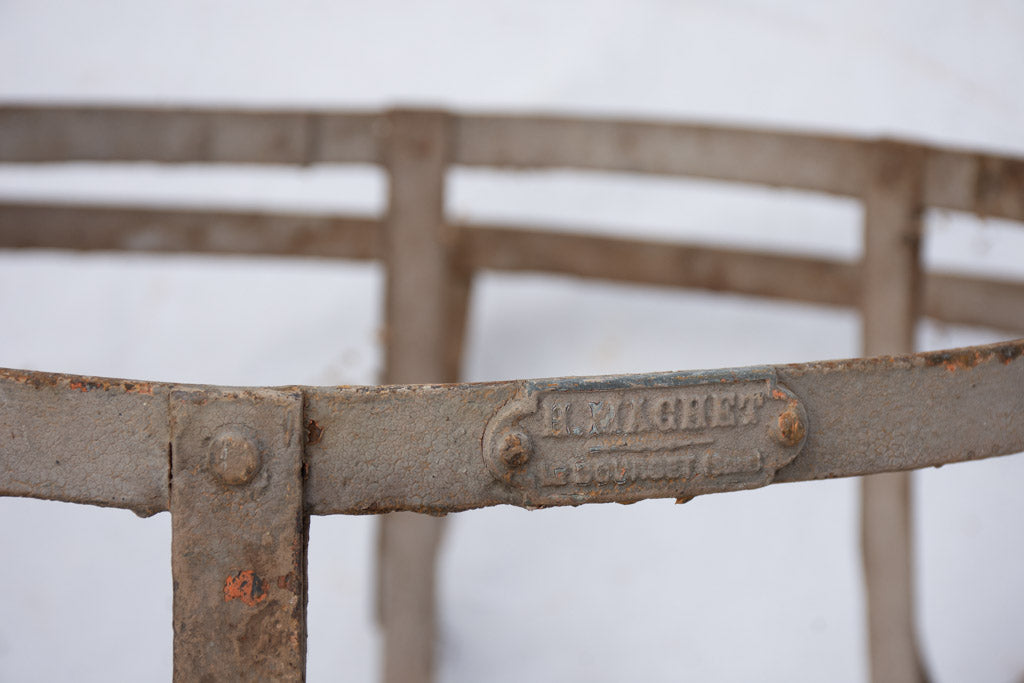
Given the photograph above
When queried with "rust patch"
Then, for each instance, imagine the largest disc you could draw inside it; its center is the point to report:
(41, 380)
(791, 427)
(138, 388)
(313, 433)
(965, 359)
(288, 582)
(244, 586)
(1009, 352)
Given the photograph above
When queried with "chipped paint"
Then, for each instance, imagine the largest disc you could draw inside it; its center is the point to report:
(967, 358)
(314, 432)
(244, 586)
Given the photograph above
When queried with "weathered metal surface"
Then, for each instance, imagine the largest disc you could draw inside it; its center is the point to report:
(84, 440)
(40, 134)
(425, 312)
(533, 443)
(596, 440)
(947, 298)
(985, 184)
(407, 572)
(821, 163)
(420, 447)
(998, 304)
(863, 416)
(891, 271)
(108, 228)
(423, 285)
(891, 291)
(239, 535)
(895, 413)
(529, 249)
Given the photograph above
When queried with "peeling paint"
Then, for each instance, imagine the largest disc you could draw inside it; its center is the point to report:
(244, 586)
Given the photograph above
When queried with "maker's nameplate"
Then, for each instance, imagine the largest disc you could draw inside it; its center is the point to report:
(632, 437)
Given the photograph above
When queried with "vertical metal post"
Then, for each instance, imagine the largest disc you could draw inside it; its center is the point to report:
(890, 291)
(239, 535)
(425, 308)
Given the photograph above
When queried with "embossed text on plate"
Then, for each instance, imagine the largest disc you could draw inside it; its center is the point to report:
(641, 436)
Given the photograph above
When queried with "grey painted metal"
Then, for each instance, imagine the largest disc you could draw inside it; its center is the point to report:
(422, 280)
(424, 316)
(143, 230)
(863, 416)
(947, 298)
(978, 182)
(985, 184)
(239, 535)
(419, 447)
(821, 163)
(601, 439)
(891, 289)
(47, 133)
(538, 443)
(84, 440)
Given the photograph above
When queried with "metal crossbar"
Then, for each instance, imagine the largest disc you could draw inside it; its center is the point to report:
(241, 469)
(530, 443)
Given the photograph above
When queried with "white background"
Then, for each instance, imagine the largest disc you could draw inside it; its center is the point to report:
(761, 585)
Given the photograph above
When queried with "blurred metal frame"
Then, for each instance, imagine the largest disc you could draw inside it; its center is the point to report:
(263, 460)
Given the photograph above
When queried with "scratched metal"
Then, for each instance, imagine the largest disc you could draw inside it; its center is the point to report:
(423, 447)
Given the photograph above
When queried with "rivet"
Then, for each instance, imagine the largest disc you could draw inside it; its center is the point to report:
(234, 457)
(516, 450)
(792, 429)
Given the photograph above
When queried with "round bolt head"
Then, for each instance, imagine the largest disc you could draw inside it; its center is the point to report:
(792, 429)
(516, 450)
(234, 457)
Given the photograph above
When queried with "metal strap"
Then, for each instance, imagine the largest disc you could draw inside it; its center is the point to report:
(443, 448)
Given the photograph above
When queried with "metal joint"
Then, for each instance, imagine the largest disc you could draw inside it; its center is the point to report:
(239, 534)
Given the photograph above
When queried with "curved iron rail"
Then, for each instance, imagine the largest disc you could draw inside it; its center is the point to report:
(108, 442)
(241, 469)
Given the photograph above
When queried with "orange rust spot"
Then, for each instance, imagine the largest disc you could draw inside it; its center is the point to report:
(244, 586)
(779, 394)
(962, 360)
(80, 386)
(791, 427)
(288, 582)
(138, 388)
(313, 433)
(965, 359)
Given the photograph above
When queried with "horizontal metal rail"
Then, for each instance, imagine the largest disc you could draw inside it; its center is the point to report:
(48, 134)
(981, 183)
(238, 468)
(221, 232)
(538, 443)
(948, 298)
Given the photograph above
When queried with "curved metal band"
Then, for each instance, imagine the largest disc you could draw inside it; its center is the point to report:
(422, 447)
